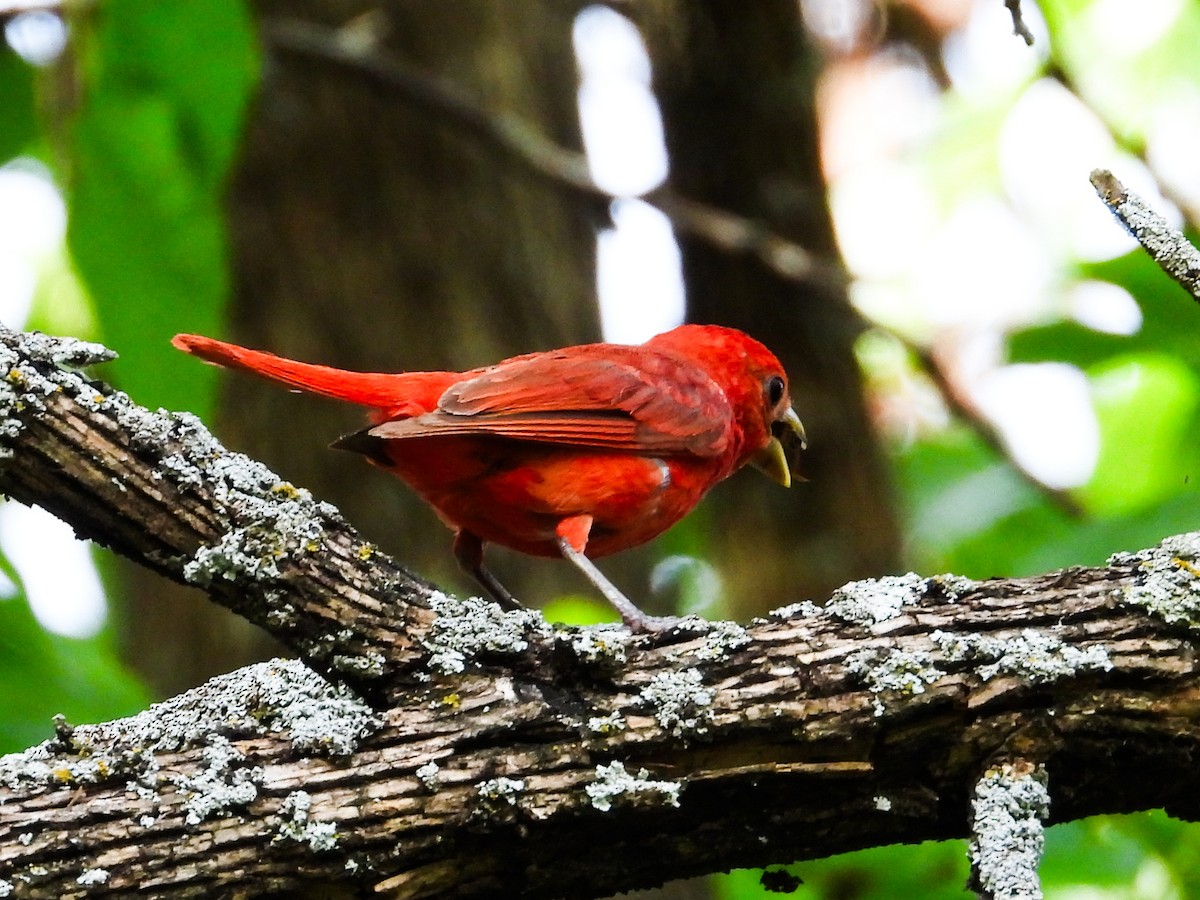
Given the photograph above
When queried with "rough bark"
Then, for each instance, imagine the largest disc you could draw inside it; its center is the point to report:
(460, 751)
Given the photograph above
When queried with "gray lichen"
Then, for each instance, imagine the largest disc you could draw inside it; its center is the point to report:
(1036, 656)
(269, 523)
(679, 701)
(954, 587)
(1169, 579)
(280, 695)
(265, 522)
(721, 639)
(609, 724)
(805, 609)
(596, 644)
(1168, 247)
(225, 781)
(364, 665)
(875, 600)
(285, 695)
(889, 670)
(1007, 832)
(465, 628)
(92, 877)
(67, 352)
(500, 794)
(296, 824)
(429, 776)
(24, 387)
(272, 519)
(616, 786)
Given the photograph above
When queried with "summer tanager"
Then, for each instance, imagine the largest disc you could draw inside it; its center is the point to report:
(578, 452)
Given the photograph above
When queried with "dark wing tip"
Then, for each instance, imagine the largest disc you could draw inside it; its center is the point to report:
(369, 445)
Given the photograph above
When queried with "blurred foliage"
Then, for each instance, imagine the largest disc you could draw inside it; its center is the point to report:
(969, 511)
(1145, 856)
(19, 131)
(579, 609)
(929, 871)
(42, 674)
(1127, 80)
(142, 151)
(153, 126)
(164, 87)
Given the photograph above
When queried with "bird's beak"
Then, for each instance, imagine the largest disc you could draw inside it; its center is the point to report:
(780, 459)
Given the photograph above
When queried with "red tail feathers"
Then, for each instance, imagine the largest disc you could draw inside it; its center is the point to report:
(380, 390)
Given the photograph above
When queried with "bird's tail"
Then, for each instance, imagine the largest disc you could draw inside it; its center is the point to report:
(376, 389)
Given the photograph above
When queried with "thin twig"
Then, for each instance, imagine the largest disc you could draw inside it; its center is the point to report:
(523, 144)
(964, 406)
(1020, 29)
(1167, 246)
(1123, 141)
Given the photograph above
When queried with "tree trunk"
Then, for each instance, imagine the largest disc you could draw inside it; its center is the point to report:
(737, 85)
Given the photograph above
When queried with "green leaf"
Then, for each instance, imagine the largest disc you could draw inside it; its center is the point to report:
(574, 609)
(1068, 342)
(1144, 404)
(1129, 78)
(956, 491)
(42, 674)
(165, 89)
(933, 871)
(1169, 316)
(18, 124)
(1140, 855)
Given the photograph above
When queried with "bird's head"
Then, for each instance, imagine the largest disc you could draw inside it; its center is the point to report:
(779, 457)
(768, 433)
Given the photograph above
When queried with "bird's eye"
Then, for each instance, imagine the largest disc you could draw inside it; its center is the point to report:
(775, 388)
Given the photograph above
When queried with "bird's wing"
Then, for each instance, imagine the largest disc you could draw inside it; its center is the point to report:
(608, 396)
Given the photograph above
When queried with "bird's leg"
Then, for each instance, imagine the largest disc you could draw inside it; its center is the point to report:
(468, 550)
(572, 536)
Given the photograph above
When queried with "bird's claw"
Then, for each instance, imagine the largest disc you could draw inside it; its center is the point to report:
(683, 625)
(652, 624)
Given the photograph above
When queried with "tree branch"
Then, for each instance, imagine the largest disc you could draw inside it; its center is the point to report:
(1020, 29)
(486, 753)
(1167, 246)
(156, 487)
(959, 400)
(360, 54)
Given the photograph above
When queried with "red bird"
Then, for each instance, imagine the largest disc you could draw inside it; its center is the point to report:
(578, 452)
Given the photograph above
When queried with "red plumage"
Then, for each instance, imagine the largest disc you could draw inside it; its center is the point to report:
(579, 452)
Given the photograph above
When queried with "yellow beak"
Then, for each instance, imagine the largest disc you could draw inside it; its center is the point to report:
(779, 460)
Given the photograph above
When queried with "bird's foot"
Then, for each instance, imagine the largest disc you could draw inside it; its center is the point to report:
(684, 626)
(644, 624)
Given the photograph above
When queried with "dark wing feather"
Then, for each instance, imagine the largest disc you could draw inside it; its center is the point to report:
(607, 396)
